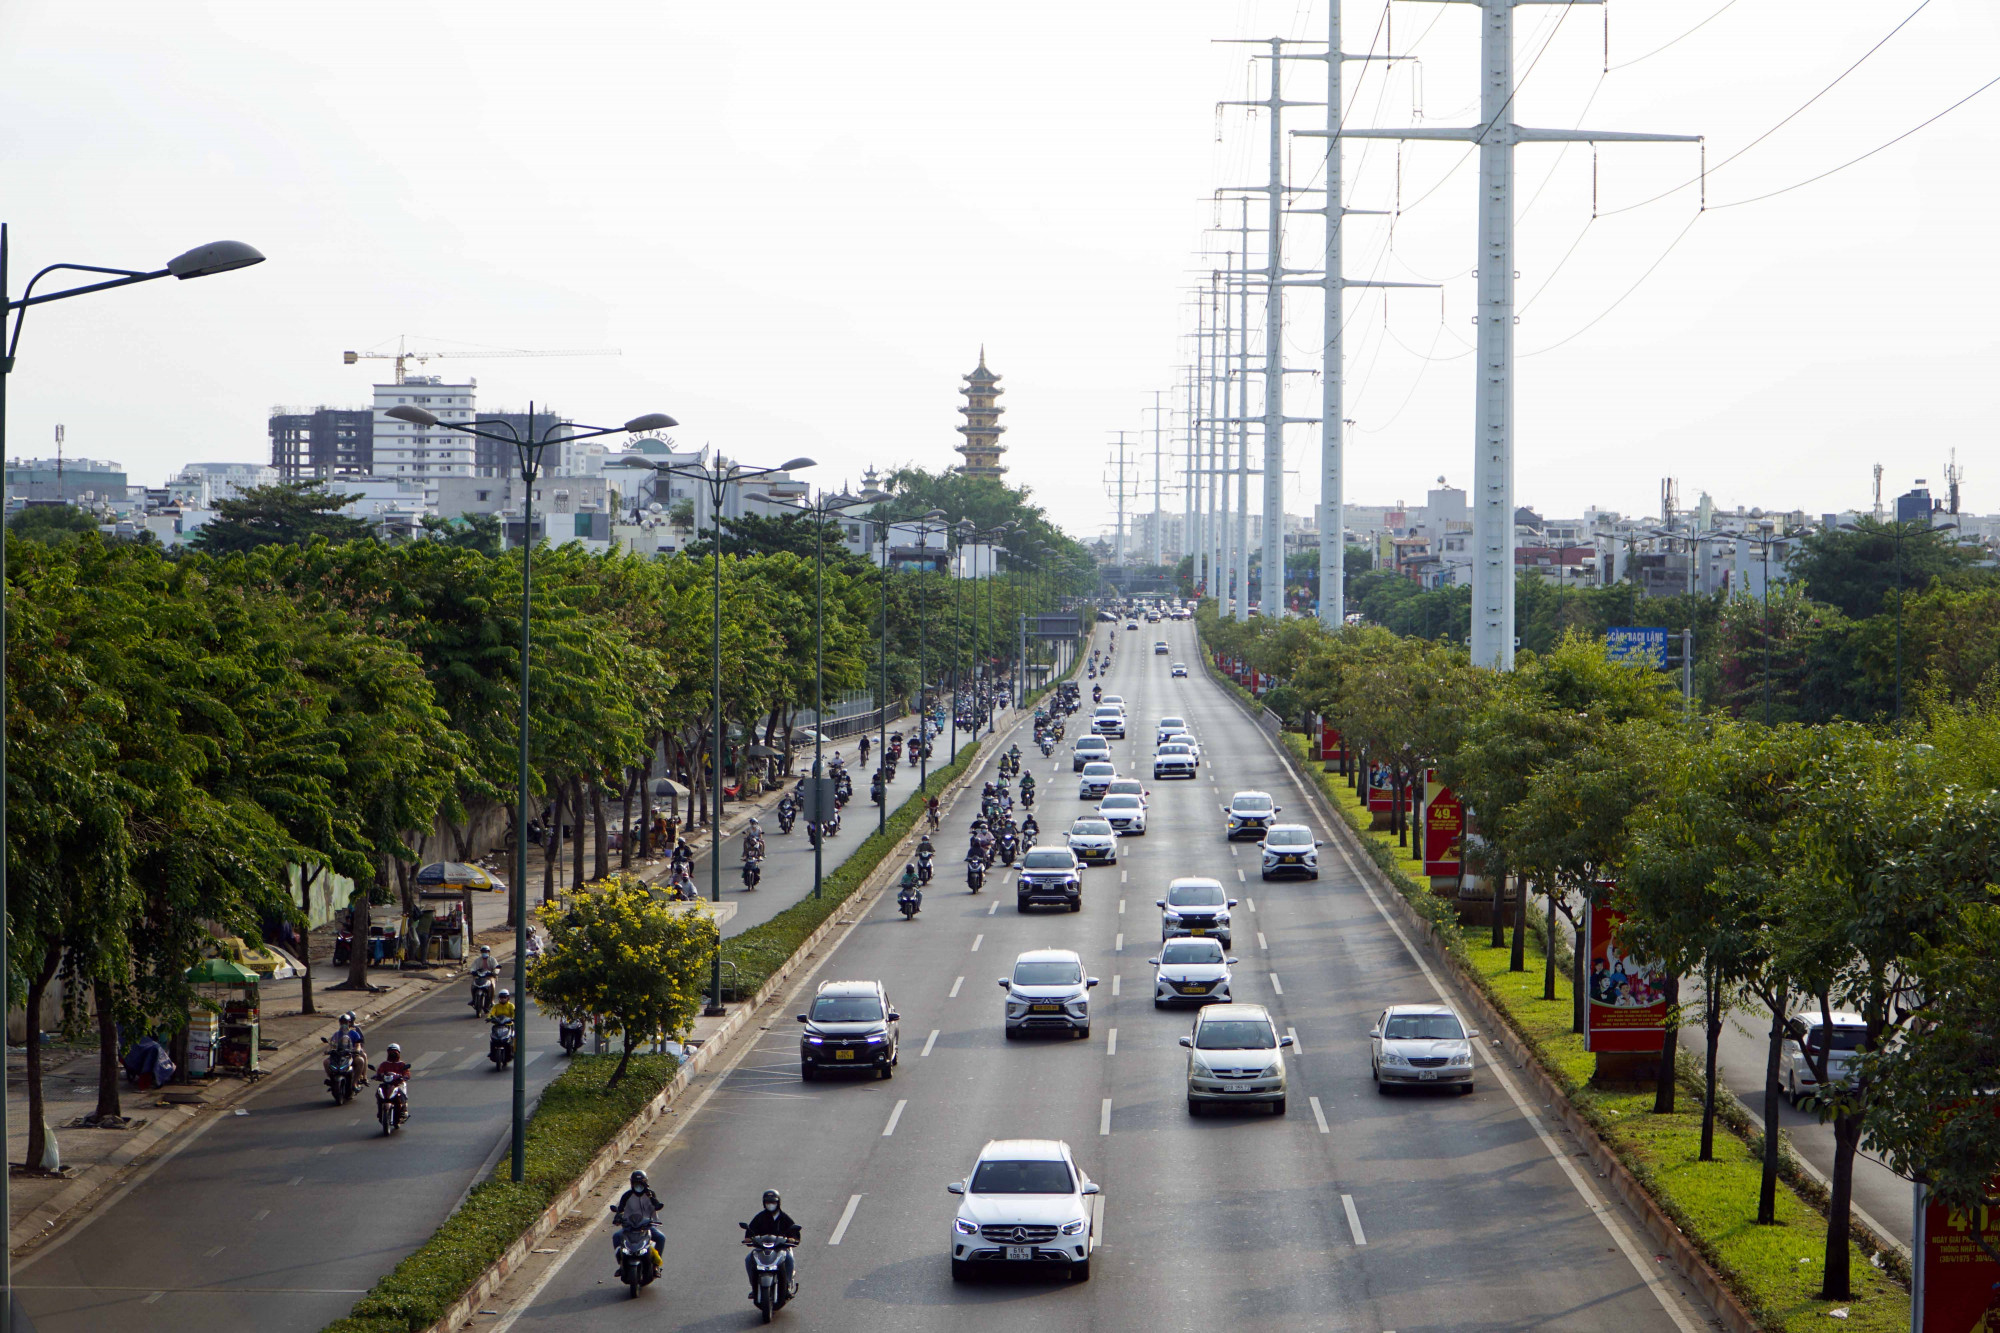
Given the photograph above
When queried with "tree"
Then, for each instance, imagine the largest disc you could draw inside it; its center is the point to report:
(1859, 570)
(474, 532)
(794, 534)
(51, 523)
(287, 512)
(621, 953)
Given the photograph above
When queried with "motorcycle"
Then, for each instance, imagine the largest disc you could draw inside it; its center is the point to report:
(787, 813)
(753, 871)
(482, 993)
(1030, 830)
(569, 1034)
(392, 1103)
(875, 791)
(340, 1071)
(910, 901)
(924, 867)
(500, 1043)
(777, 1277)
(975, 874)
(638, 1261)
(1027, 798)
(1048, 747)
(812, 834)
(1006, 848)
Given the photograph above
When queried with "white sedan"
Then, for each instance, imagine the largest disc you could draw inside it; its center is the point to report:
(1097, 777)
(1125, 813)
(1196, 970)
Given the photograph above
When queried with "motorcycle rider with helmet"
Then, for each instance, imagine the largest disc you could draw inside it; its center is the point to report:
(394, 1066)
(771, 1220)
(637, 1206)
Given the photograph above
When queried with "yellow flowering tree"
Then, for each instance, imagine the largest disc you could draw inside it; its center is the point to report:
(618, 952)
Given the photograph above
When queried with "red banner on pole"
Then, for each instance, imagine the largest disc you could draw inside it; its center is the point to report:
(1628, 1003)
(1381, 796)
(1329, 743)
(1444, 827)
(1958, 1284)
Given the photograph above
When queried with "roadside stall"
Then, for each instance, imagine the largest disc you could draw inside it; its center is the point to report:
(448, 886)
(223, 1031)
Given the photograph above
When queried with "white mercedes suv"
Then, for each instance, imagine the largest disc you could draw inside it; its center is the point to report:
(1026, 1202)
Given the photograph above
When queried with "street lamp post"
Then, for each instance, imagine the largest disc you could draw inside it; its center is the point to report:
(201, 262)
(718, 479)
(528, 453)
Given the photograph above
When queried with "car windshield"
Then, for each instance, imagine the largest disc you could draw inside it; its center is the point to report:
(1127, 787)
(1114, 699)
(1098, 770)
(1195, 895)
(1171, 724)
(1022, 1178)
(1252, 803)
(1124, 801)
(1423, 1027)
(1048, 974)
(1289, 837)
(847, 1009)
(1236, 1034)
(1845, 1038)
(1046, 861)
(1087, 827)
(1191, 951)
(1175, 751)
(1093, 743)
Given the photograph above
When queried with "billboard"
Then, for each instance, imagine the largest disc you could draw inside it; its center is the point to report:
(1329, 742)
(1381, 796)
(1957, 1288)
(1057, 627)
(1638, 645)
(1444, 827)
(1628, 1000)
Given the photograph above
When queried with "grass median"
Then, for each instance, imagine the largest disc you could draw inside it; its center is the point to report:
(1774, 1270)
(750, 958)
(575, 1117)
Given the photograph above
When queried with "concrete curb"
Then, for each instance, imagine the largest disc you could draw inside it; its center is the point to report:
(713, 1045)
(1659, 1228)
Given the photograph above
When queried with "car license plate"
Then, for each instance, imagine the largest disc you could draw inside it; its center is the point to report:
(1020, 1251)
(1046, 1008)
(1427, 1074)
(843, 1055)
(1289, 860)
(1199, 930)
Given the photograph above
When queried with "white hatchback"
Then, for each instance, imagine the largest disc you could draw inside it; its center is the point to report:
(1026, 1201)
(1125, 812)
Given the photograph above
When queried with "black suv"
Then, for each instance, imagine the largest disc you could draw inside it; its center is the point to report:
(850, 1025)
(1049, 875)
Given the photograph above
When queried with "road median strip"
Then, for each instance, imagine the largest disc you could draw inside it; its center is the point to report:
(1700, 1213)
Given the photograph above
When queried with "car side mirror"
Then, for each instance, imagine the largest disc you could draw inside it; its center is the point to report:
(1374, 1032)
(1230, 961)
(1319, 844)
(1088, 982)
(1091, 1188)
(895, 1017)
(1188, 1042)
(1232, 902)
(956, 1187)
(1284, 1041)
(1005, 982)
(1277, 809)
(1223, 808)
(1157, 902)
(802, 1018)
(1472, 1035)
(1154, 961)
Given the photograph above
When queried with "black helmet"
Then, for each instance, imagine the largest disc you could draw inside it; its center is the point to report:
(771, 1197)
(638, 1180)
(347, 1018)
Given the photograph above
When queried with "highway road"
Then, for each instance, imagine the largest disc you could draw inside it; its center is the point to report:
(1354, 1211)
(278, 1216)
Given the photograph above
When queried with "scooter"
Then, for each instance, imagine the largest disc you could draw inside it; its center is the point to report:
(392, 1103)
(812, 834)
(638, 1261)
(1027, 797)
(500, 1045)
(975, 874)
(777, 1276)
(340, 1073)
(752, 872)
(924, 867)
(910, 902)
(482, 993)
(1005, 846)
(787, 813)
(569, 1034)
(1048, 747)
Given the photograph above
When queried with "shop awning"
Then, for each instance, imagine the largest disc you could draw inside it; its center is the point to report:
(221, 972)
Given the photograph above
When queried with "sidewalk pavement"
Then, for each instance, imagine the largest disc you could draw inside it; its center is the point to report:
(95, 1162)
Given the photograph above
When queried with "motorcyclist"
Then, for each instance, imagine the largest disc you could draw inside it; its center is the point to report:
(393, 1065)
(753, 841)
(1030, 830)
(910, 883)
(351, 1032)
(639, 1206)
(1027, 786)
(931, 811)
(771, 1220)
(503, 1008)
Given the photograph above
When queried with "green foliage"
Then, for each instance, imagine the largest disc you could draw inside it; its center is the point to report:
(50, 523)
(617, 951)
(289, 513)
(1859, 571)
(579, 1112)
(475, 532)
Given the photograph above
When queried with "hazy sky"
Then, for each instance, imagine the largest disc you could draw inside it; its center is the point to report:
(799, 222)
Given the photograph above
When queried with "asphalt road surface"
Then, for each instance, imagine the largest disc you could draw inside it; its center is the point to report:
(1354, 1211)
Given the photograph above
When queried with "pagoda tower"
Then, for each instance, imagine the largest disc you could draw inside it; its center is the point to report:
(982, 428)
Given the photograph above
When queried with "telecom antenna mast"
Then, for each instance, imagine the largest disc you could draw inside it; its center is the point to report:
(1493, 431)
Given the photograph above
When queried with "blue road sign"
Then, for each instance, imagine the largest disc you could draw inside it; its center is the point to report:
(1640, 645)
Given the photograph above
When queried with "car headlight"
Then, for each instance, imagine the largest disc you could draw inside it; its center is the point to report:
(1271, 1070)
(876, 1037)
(1463, 1060)
(963, 1227)
(816, 1041)
(1075, 1228)
(1391, 1058)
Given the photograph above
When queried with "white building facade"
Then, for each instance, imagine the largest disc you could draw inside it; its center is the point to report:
(423, 454)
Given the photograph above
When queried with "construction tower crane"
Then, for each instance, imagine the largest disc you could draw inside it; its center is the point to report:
(402, 355)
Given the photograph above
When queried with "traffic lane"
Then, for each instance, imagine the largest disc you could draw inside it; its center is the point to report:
(296, 1203)
(1878, 1191)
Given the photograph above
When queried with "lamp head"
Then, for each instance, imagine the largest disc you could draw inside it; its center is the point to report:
(215, 257)
(414, 414)
(651, 421)
(796, 464)
(934, 514)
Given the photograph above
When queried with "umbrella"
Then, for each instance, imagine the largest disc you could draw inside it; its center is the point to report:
(220, 971)
(455, 874)
(668, 787)
(763, 752)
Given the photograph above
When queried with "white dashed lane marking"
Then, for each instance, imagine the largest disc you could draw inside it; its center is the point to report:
(1276, 987)
(1353, 1219)
(1104, 1118)
(1111, 1042)
(977, 940)
(894, 1116)
(929, 1042)
(846, 1216)
(954, 988)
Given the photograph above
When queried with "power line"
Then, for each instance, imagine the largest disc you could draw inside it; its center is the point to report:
(1671, 245)
(1627, 64)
